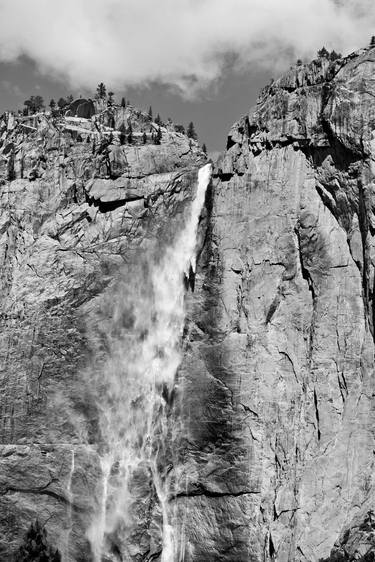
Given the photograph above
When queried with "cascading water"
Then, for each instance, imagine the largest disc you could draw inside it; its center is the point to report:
(137, 381)
(71, 499)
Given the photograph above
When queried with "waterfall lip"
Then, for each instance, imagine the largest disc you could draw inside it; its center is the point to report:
(204, 177)
(135, 421)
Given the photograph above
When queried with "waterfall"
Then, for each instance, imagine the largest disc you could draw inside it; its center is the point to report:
(136, 383)
(70, 498)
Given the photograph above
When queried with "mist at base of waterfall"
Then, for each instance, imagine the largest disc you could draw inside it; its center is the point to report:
(134, 387)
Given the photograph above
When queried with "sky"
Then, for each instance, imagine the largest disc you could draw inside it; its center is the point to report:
(199, 60)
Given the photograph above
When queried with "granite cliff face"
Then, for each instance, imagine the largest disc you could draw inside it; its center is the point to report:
(82, 218)
(280, 361)
(270, 441)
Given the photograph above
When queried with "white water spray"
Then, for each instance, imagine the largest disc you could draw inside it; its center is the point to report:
(70, 497)
(137, 379)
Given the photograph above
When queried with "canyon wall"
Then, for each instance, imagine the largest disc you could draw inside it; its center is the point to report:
(277, 461)
(270, 447)
(82, 218)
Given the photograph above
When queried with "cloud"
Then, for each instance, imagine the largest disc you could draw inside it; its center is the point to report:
(13, 89)
(183, 43)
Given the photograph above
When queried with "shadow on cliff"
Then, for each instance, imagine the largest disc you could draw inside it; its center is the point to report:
(207, 404)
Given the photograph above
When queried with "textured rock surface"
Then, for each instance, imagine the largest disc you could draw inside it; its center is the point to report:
(278, 378)
(75, 220)
(273, 424)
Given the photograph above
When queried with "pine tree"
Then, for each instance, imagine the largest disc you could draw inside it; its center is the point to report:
(158, 119)
(39, 103)
(110, 100)
(372, 42)
(122, 130)
(29, 105)
(62, 103)
(204, 148)
(150, 112)
(158, 137)
(191, 131)
(101, 91)
(34, 104)
(69, 99)
(123, 102)
(36, 547)
(144, 138)
(52, 104)
(323, 53)
(334, 56)
(130, 133)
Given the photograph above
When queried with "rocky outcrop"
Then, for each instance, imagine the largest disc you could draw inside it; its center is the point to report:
(277, 459)
(79, 219)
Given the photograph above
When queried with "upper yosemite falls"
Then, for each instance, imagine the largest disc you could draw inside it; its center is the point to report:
(187, 348)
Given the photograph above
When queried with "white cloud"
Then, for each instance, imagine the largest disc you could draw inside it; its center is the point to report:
(179, 42)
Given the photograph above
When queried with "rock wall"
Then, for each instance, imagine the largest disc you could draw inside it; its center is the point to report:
(277, 459)
(273, 440)
(78, 222)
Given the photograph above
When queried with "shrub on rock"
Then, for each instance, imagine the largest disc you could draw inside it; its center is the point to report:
(35, 547)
